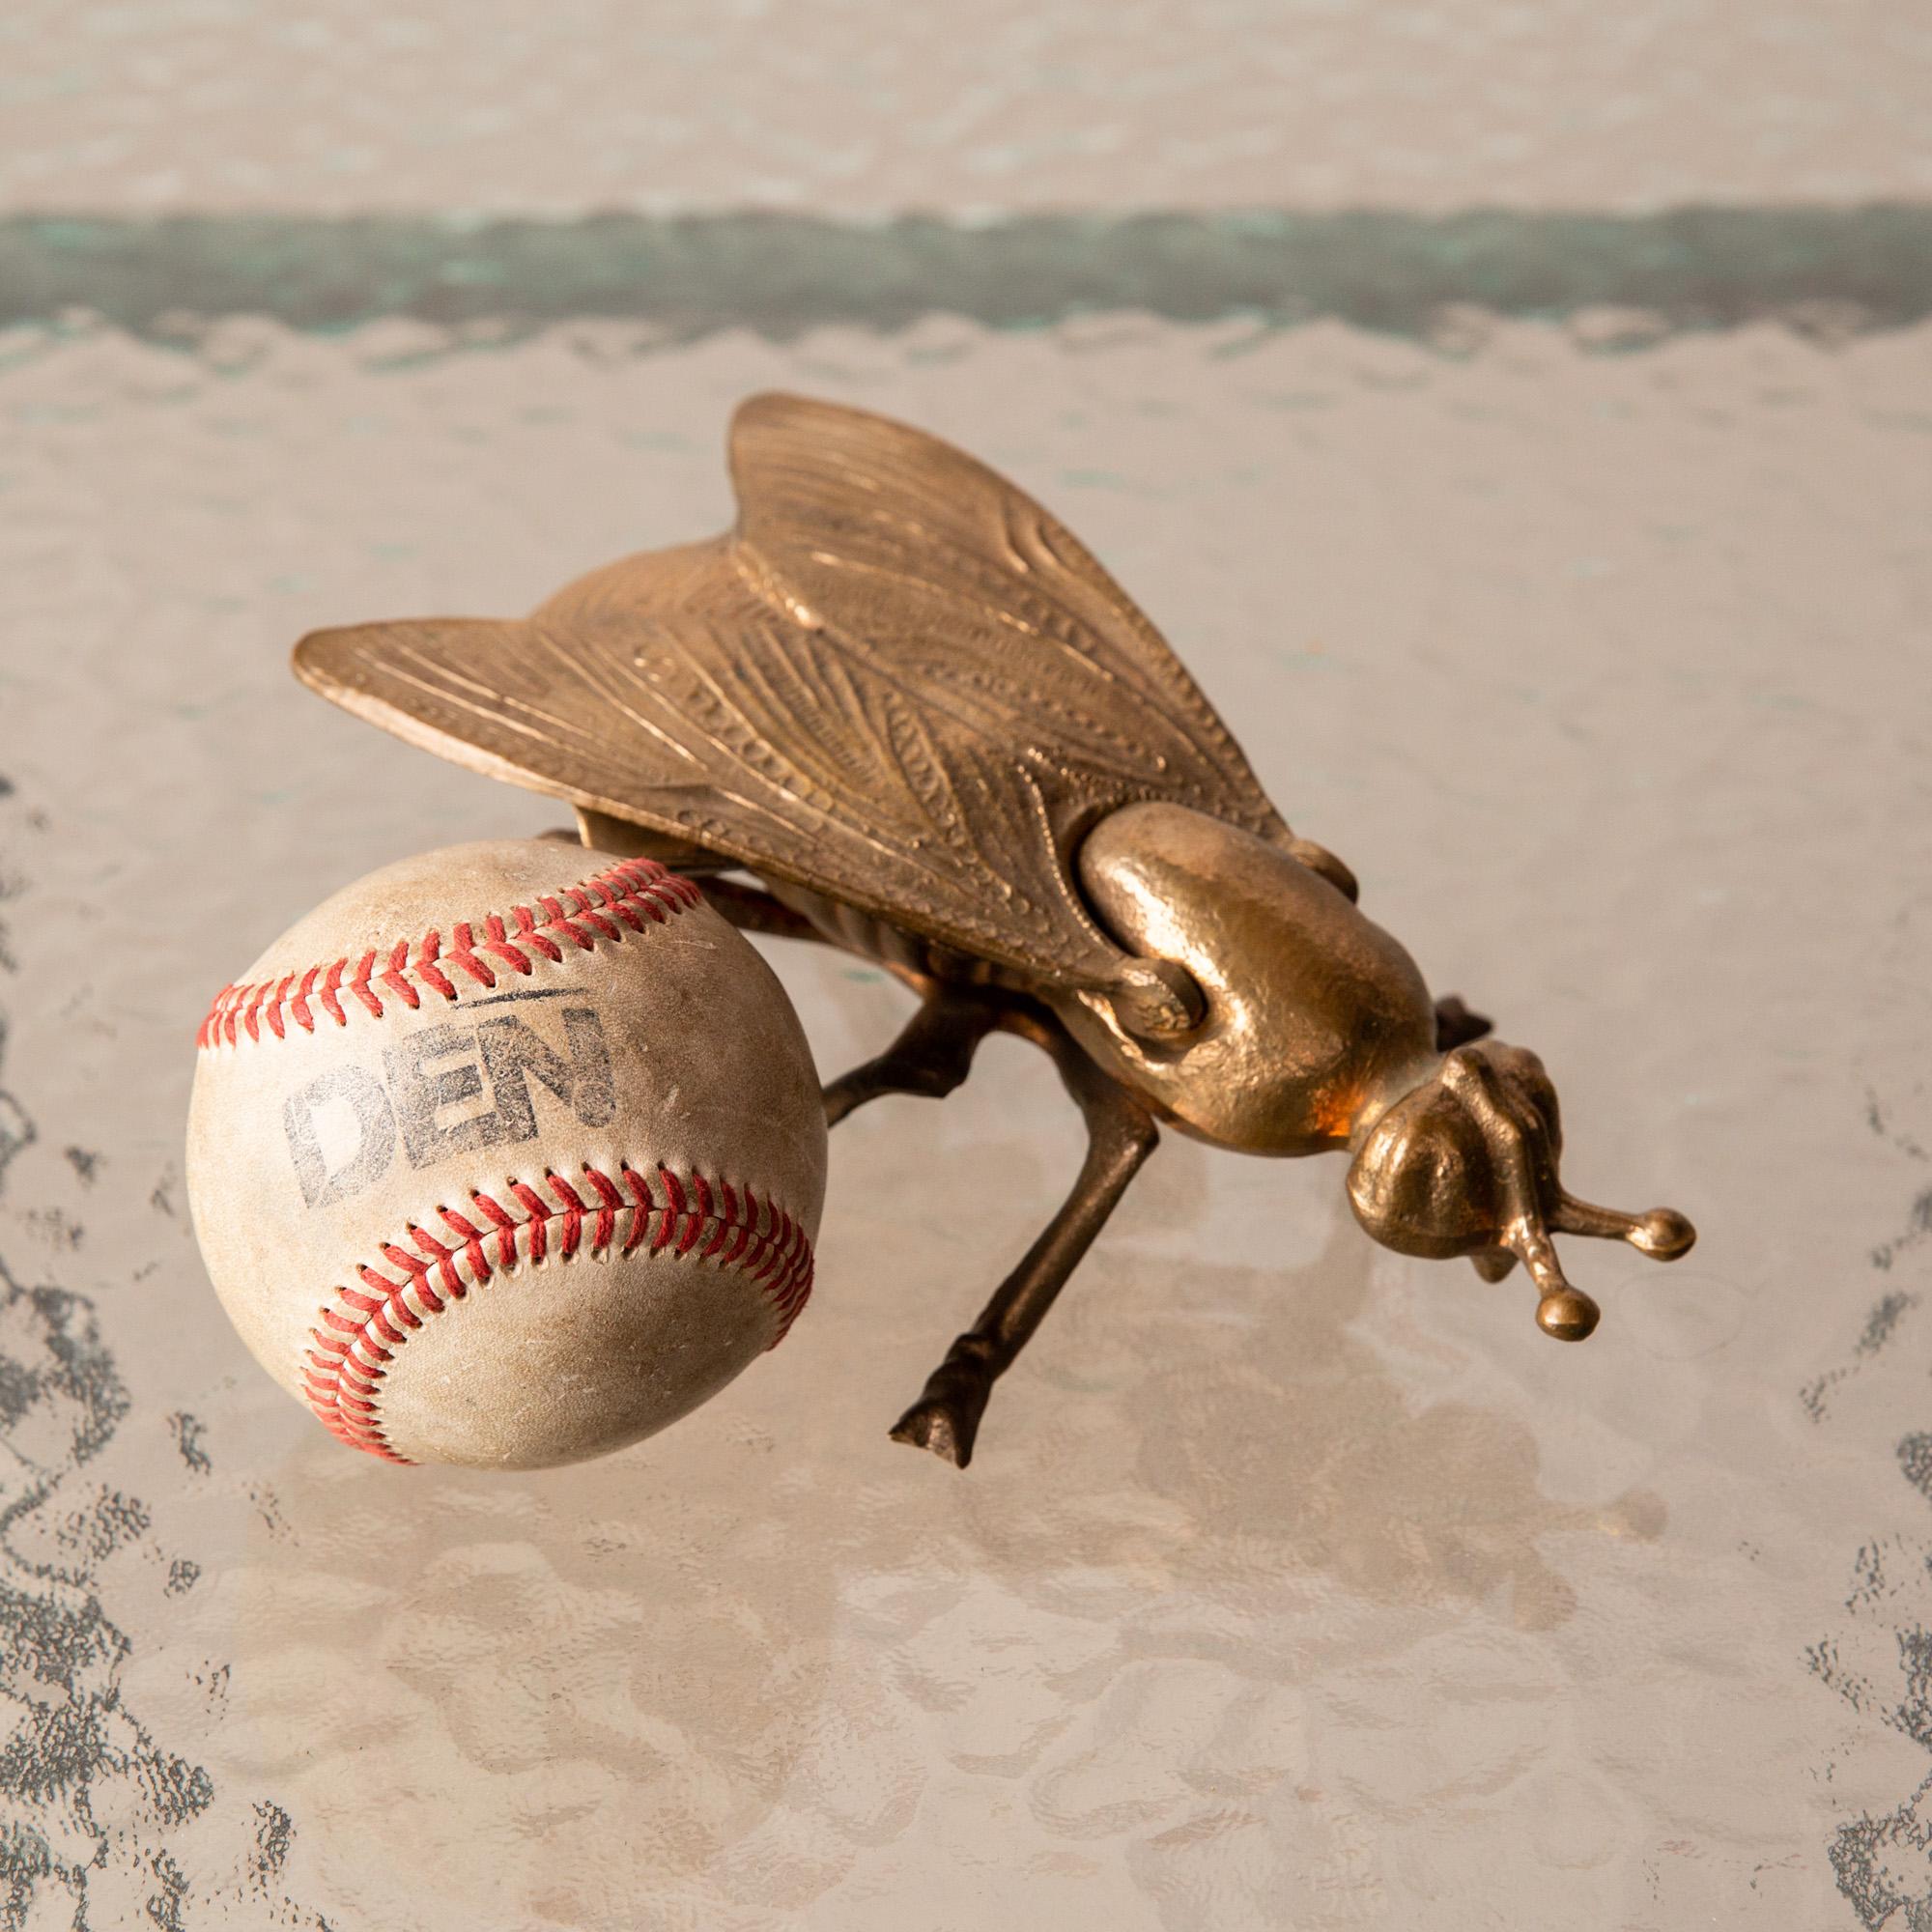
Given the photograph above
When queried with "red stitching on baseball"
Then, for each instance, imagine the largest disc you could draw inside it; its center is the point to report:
(354, 1340)
(629, 894)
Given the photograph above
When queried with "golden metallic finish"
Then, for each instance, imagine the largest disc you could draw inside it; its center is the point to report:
(906, 701)
(1311, 1010)
(1463, 1162)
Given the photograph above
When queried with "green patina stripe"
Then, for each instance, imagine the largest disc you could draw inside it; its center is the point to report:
(1695, 268)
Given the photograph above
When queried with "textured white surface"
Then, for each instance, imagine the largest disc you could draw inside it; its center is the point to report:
(1294, 1584)
(855, 106)
(330, 1142)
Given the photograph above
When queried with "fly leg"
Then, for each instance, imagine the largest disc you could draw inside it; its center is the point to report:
(753, 910)
(1120, 1134)
(1455, 1025)
(931, 1056)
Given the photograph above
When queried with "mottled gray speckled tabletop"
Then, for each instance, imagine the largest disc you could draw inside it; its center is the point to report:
(1556, 381)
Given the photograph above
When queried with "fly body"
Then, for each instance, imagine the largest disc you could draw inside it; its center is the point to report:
(898, 708)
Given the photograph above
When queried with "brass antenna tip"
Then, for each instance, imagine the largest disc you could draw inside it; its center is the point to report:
(1561, 1311)
(1567, 1314)
(1662, 1233)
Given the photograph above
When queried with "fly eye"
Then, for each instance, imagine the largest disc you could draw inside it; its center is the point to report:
(1423, 1183)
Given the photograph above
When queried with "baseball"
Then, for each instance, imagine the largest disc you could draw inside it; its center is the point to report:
(506, 1155)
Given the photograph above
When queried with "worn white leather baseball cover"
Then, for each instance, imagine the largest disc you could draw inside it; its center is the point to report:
(507, 1155)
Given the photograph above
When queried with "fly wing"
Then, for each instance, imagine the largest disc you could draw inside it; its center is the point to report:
(669, 692)
(622, 694)
(936, 574)
(898, 683)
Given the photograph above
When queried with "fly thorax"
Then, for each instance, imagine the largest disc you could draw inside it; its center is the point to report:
(1305, 1009)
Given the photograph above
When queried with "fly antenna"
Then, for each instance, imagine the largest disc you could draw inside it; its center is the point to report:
(1561, 1310)
(1565, 1312)
(1661, 1233)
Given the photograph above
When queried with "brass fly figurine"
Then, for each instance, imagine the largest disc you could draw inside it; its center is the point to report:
(932, 731)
